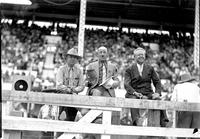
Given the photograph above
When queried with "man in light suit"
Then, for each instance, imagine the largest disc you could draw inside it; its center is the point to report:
(102, 70)
(138, 79)
(101, 80)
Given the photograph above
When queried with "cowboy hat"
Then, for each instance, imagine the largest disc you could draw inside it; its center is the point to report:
(73, 52)
(186, 78)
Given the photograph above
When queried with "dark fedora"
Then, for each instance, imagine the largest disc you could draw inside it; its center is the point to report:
(186, 78)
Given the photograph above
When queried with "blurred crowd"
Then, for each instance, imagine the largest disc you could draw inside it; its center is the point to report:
(23, 47)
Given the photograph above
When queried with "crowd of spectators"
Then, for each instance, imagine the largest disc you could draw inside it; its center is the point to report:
(23, 48)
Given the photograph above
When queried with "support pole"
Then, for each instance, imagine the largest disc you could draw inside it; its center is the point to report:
(81, 27)
(196, 37)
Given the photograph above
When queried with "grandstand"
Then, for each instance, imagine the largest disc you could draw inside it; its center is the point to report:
(34, 36)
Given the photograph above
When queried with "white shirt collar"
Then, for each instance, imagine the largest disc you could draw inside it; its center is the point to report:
(140, 66)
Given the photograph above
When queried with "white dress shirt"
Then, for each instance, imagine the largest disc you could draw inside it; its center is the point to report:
(186, 92)
(140, 68)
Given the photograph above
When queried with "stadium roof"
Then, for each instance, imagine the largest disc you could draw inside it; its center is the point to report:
(155, 14)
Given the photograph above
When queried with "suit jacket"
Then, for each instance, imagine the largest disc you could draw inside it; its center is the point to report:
(141, 84)
(111, 71)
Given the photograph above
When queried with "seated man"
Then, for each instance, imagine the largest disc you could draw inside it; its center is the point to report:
(69, 79)
(138, 79)
(103, 70)
(101, 81)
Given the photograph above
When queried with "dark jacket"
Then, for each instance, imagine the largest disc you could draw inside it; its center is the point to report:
(135, 83)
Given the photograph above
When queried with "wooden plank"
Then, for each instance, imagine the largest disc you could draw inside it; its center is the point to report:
(153, 120)
(13, 134)
(97, 108)
(18, 123)
(106, 121)
(64, 99)
(88, 118)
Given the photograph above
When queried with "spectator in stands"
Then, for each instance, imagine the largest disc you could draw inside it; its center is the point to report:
(69, 79)
(138, 78)
(187, 91)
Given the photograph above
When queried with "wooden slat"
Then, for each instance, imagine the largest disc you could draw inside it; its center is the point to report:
(64, 99)
(89, 117)
(18, 123)
(106, 121)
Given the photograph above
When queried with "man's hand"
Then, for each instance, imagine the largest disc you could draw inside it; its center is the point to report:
(156, 96)
(74, 90)
(115, 84)
(66, 90)
(139, 95)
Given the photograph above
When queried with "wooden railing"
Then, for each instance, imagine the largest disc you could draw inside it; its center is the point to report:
(100, 103)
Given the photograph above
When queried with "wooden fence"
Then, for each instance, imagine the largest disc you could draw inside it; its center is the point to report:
(100, 103)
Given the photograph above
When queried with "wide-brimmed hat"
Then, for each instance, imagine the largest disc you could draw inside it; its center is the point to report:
(186, 78)
(73, 52)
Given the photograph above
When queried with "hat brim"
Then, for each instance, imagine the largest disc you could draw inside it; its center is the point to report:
(188, 80)
(74, 55)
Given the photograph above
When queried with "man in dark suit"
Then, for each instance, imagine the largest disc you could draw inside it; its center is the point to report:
(138, 82)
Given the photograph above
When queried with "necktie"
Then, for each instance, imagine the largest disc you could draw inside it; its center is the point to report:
(102, 73)
(70, 77)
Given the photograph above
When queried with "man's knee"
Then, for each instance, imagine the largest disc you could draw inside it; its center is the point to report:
(96, 92)
(84, 111)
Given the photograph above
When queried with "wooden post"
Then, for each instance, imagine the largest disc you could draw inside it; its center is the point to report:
(154, 120)
(196, 37)
(107, 115)
(81, 31)
(7, 110)
(88, 118)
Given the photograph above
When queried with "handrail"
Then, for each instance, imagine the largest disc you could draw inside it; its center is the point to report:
(19, 123)
(95, 101)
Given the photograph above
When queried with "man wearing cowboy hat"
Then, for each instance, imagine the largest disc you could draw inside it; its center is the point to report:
(187, 91)
(69, 79)
(138, 84)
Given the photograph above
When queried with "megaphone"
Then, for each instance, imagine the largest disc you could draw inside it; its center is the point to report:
(21, 83)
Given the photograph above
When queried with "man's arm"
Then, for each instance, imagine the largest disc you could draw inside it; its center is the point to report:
(60, 81)
(156, 81)
(127, 82)
(81, 85)
(115, 77)
(174, 94)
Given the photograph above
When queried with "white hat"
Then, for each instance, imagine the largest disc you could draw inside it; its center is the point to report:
(102, 48)
(73, 52)
(139, 50)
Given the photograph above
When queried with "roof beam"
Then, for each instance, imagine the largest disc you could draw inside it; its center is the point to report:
(97, 19)
(134, 4)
